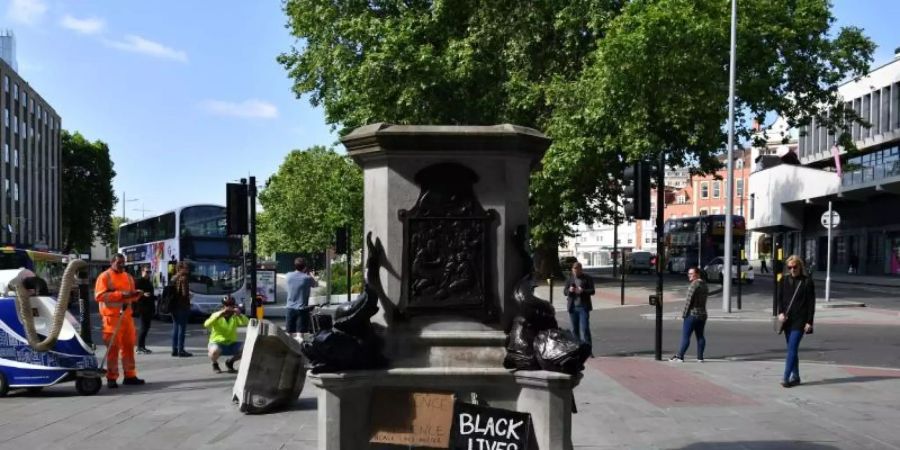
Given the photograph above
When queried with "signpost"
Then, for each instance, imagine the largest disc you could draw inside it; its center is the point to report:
(830, 220)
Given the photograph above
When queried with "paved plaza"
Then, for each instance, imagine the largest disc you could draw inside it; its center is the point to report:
(623, 403)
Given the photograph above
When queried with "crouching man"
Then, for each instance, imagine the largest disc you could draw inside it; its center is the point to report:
(222, 326)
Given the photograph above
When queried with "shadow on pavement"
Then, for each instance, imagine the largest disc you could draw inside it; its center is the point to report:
(862, 379)
(303, 404)
(169, 386)
(746, 445)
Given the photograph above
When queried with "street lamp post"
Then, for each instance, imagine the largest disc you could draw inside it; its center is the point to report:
(125, 200)
(142, 210)
(726, 282)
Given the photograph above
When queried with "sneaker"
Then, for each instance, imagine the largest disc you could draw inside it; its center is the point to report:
(133, 381)
(112, 384)
(229, 363)
(216, 367)
(184, 354)
(676, 359)
(786, 384)
(700, 360)
(795, 382)
(144, 350)
(174, 353)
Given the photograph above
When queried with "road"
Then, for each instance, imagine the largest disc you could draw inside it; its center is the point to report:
(622, 331)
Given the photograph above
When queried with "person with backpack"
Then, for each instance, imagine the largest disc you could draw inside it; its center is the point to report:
(180, 308)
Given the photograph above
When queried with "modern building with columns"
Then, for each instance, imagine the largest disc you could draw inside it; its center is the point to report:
(788, 201)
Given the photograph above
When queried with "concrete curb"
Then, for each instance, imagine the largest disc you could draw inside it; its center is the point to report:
(839, 304)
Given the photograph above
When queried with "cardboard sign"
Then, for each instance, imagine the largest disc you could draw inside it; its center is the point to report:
(483, 428)
(411, 419)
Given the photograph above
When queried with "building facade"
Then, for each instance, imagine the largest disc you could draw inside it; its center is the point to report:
(30, 166)
(788, 201)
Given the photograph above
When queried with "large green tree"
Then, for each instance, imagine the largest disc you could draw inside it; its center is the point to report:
(314, 192)
(87, 192)
(609, 81)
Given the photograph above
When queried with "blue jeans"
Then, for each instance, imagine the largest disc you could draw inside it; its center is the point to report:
(792, 361)
(179, 329)
(692, 325)
(581, 325)
(293, 317)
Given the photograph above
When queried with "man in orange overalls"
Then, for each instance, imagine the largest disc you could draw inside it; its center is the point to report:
(115, 291)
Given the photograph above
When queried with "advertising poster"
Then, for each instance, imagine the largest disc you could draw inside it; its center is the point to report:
(265, 285)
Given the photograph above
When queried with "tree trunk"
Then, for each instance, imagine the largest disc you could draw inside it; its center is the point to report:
(546, 260)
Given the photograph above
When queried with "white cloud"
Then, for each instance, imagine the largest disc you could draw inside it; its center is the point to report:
(137, 44)
(27, 12)
(252, 109)
(90, 25)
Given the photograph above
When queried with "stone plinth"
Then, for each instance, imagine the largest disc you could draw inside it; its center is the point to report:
(492, 164)
(345, 400)
(443, 204)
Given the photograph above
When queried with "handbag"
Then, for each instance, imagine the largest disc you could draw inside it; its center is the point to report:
(778, 322)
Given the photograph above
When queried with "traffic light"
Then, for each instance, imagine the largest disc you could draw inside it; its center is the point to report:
(341, 240)
(236, 215)
(637, 190)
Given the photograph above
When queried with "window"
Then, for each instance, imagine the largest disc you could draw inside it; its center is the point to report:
(6, 85)
(24, 97)
(15, 91)
(714, 211)
(702, 212)
(6, 117)
(739, 163)
(740, 188)
(717, 187)
(15, 125)
(704, 189)
(203, 221)
(16, 158)
(681, 199)
(16, 192)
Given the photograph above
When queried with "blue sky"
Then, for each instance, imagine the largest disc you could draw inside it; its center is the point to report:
(188, 94)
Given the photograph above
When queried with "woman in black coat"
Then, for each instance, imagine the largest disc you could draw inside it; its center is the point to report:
(796, 310)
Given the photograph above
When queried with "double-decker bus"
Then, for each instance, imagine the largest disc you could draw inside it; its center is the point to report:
(195, 234)
(695, 241)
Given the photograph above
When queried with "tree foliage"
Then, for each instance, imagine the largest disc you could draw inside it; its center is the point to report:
(116, 222)
(609, 81)
(87, 192)
(314, 192)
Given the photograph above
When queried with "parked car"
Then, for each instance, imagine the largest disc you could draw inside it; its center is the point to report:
(565, 263)
(639, 262)
(715, 270)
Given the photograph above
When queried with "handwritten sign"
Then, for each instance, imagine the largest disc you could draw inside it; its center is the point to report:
(411, 419)
(483, 428)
